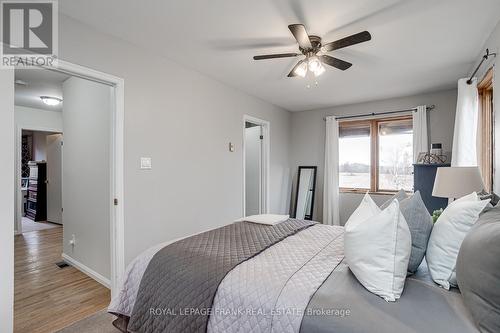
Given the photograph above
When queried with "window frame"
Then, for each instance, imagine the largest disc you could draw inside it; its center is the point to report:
(485, 139)
(374, 152)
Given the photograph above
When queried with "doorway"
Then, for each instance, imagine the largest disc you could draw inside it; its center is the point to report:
(91, 179)
(255, 166)
(40, 205)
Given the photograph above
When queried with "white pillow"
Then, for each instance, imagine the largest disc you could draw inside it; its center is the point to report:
(469, 197)
(269, 219)
(377, 250)
(447, 235)
(366, 209)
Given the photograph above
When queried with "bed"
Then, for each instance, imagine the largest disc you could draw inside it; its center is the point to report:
(292, 280)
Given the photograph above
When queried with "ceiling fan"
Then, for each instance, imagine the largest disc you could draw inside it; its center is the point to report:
(313, 49)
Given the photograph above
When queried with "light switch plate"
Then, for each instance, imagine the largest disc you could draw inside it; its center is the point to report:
(146, 163)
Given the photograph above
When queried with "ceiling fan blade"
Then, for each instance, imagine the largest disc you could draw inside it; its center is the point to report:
(348, 41)
(337, 63)
(273, 56)
(292, 72)
(299, 32)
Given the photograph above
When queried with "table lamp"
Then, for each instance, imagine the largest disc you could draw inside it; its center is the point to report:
(456, 182)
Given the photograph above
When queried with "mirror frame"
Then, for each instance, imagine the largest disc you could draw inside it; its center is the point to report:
(315, 170)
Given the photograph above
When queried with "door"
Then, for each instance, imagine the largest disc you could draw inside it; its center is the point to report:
(54, 177)
(253, 169)
(87, 172)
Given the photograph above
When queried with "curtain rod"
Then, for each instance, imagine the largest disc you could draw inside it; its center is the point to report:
(378, 113)
(485, 57)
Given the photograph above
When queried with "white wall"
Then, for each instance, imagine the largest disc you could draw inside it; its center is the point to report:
(40, 146)
(252, 169)
(31, 118)
(184, 121)
(308, 137)
(493, 43)
(86, 173)
(6, 200)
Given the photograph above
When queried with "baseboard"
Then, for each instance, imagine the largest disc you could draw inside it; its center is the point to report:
(87, 271)
(58, 223)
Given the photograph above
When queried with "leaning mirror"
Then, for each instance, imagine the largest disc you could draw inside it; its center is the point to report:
(304, 198)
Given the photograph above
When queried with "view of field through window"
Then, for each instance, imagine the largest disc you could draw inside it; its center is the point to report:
(354, 158)
(395, 156)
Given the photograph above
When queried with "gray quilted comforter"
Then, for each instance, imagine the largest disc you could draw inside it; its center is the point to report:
(271, 292)
(301, 285)
(178, 287)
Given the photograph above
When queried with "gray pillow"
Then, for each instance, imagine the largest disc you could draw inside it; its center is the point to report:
(420, 223)
(478, 271)
(401, 195)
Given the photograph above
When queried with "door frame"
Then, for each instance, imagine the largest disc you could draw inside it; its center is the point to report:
(265, 165)
(116, 201)
(18, 150)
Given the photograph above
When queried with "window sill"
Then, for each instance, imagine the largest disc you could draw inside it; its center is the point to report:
(363, 191)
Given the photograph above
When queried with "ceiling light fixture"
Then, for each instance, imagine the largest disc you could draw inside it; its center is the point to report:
(319, 70)
(52, 101)
(313, 63)
(301, 69)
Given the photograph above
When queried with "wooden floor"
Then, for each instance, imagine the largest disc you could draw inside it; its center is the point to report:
(48, 298)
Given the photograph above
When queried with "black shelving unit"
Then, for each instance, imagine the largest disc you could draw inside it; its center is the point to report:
(37, 192)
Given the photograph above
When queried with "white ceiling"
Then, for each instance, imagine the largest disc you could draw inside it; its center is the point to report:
(39, 82)
(417, 45)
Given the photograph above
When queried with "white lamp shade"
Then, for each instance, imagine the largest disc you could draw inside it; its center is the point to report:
(456, 182)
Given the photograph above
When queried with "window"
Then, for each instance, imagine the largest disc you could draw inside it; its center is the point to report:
(376, 155)
(354, 155)
(395, 141)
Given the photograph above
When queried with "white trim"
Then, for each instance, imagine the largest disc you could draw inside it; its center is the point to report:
(117, 234)
(17, 150)
(266, 144)
(7, 213)
(87, 271)
(117, 212)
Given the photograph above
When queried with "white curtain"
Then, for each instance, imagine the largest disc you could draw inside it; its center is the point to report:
(464, 151)
(420, 136)
(331, 210)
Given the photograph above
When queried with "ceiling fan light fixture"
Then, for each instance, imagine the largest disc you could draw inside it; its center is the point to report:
(313, 63)
(315, 52)
(301, 69)
(319, 70)
(52, 101)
